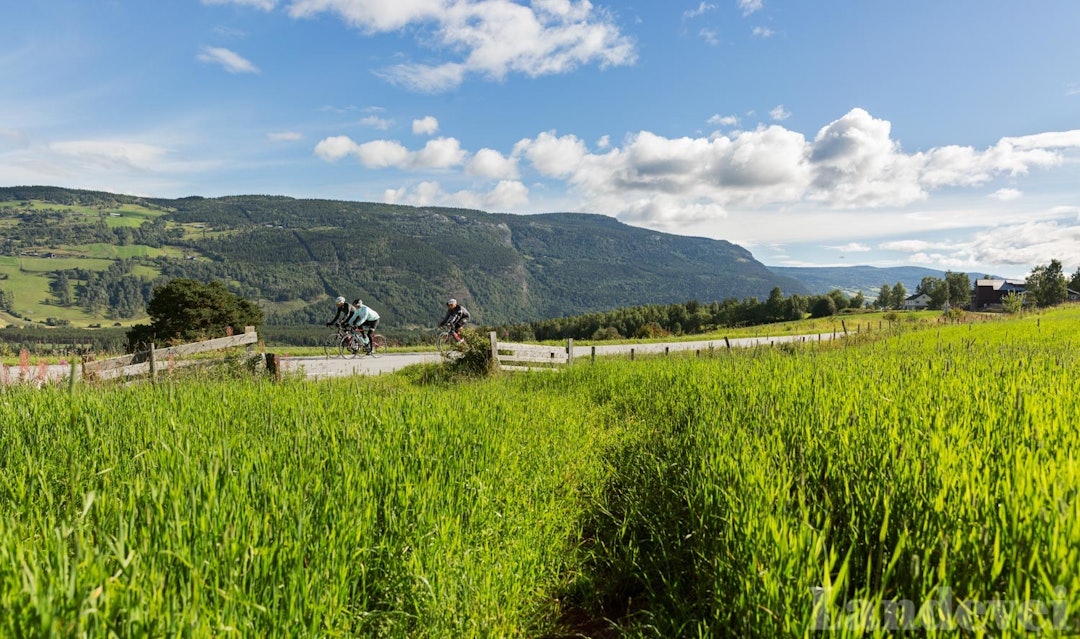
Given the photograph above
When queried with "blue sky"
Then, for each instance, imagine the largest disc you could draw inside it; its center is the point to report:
(943, 134)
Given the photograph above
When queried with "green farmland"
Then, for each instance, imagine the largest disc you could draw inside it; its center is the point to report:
(926, 481)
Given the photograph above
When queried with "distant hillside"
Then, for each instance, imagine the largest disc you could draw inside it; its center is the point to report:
(82, 256)
(853, 279)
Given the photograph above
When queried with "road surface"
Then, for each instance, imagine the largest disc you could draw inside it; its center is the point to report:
(319, 367)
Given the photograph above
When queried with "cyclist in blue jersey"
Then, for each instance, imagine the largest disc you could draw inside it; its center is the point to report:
(366, 320)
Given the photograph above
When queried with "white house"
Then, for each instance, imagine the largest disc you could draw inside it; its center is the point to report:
(917, 302)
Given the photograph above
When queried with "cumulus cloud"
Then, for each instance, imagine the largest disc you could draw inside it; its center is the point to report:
(226, 59)
(757, 179)
(440, 153)
(506, 195)
(850, 163)
(493, 38)
(762, 32)
(426, 125)
(489, 163)
(1006, 195)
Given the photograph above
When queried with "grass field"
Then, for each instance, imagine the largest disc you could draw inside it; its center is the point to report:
(774, 492)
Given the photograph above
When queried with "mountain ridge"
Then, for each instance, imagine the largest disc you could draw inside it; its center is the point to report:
(293, 255)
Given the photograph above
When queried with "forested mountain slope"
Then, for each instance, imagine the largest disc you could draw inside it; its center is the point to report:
(290, 255)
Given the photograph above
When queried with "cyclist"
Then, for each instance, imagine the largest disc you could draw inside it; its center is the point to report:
(367, 320)
(349, 315)
(456, 317)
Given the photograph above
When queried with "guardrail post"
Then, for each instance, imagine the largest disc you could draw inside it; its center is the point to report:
(592, 353)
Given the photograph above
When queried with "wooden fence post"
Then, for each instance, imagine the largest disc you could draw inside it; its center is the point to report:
(153, 363)
(569, 350)
(592, 354)
(727, 341)
(273, 365)
(494, 339)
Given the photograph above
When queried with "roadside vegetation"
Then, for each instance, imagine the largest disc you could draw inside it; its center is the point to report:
(761, 493)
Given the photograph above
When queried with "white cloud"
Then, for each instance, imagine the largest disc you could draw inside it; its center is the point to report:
(284, 136)
(701, 8)
(723, 120)
(551, 155)
(762, 32)
(426, 125)
(851, 247)
(604, 142)
(751, 6)
(709, 36)
(380, 154)
(489, 163)
(376, 122)
(440, 153)
(112, 154)
(779, 113)
(335, 148)
(851, 163)
(1006, 195)
(493, 38)
(228, 60)
(506, 195)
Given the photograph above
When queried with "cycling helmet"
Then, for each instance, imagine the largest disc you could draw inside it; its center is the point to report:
(452, 302)
(340, 300)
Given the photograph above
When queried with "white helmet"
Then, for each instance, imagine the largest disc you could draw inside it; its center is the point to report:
(452, 302)
(340, 300)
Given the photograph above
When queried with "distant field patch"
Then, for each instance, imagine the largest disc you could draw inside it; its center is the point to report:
(129, 215)
(49, 264)
(111, 251)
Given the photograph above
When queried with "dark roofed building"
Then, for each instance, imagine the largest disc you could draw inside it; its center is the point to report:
(989, 293)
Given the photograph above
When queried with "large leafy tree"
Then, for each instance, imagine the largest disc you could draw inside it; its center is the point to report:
(189, 310)
(959, 289)
(1047, 284)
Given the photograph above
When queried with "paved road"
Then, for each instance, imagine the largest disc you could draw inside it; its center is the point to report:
(321, 367)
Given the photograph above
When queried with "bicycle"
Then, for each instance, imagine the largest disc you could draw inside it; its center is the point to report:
(349, 341)
(450, 343)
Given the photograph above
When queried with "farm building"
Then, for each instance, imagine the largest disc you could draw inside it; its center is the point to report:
(989, 292)
(917, 302)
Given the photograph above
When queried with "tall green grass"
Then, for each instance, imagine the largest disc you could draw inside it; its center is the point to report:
(937, 470)
(346, 508)
(774, 492)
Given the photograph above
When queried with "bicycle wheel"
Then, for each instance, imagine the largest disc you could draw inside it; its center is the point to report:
(333, 346)
(378, 342)
(443, 342)
(448, 346)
